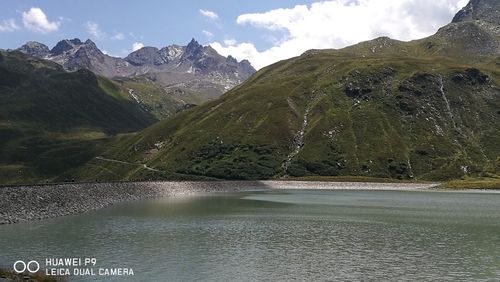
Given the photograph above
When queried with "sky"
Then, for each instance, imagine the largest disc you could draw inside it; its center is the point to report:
(262, 31)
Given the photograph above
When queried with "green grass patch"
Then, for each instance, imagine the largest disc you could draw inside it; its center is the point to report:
(473, 183)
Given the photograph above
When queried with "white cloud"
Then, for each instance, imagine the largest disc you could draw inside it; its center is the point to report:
(94, 30)
(8, 25)
(209, 14)
(208, 34)
(36, 21)
(230, 42)
(118, 36)
(105, 52)
(62, 19)
(339, 23)
(137, 45)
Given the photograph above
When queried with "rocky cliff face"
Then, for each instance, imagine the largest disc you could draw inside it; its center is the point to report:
(190, 68)
(194, 73)
(74, 55)
(483, 10)
(484, 17)
(193, 68)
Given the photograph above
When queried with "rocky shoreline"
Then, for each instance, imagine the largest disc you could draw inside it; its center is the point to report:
(25, 203)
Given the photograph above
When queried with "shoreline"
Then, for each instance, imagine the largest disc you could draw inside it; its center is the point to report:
(27, 203)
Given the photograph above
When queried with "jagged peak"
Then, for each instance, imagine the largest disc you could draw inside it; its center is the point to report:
(65, 45)
(193, 42)
(231, 59)
(76, 41)
(193, 45)
(69, 44)
(247, 65)
(88, 42)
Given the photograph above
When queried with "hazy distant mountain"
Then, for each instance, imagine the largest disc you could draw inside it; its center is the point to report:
(193, 73)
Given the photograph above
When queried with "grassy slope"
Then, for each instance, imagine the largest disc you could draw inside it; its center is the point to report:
(248, 132)
(376, 109)
(483, 183)
(154, 98)
(52, 120)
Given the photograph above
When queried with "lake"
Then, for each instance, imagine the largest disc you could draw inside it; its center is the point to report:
(283, 235)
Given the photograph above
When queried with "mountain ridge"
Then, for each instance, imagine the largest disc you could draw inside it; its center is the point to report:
(180, 69)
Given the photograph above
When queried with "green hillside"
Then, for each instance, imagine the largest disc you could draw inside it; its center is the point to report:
(427, 109)
(51, 120)
(154, 98)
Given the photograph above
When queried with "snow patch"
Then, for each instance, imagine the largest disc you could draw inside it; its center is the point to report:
(131, 92)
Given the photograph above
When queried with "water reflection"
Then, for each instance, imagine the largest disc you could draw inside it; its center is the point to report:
(280, 235)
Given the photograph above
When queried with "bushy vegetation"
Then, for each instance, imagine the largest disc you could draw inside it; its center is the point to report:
(226, 161)
(330, 165)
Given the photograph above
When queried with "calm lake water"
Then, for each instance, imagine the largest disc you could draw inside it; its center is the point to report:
(278, 236)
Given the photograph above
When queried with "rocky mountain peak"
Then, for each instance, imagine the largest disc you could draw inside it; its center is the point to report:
(193, 49)
(484, 10)
(231, 59)
(77, 45)
(65, 45)
(209, 51)
(145, 56)
(193, 44)
(76, 41)
(247, 66)
(172, 52)
(192, 68)
(89, 42)
(35, 49)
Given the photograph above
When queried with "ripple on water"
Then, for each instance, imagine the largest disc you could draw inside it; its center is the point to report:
(281, 236)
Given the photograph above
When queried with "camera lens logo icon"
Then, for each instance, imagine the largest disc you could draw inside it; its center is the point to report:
(32, 266)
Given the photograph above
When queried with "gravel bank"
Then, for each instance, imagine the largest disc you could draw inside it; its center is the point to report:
(23, 203)
(323, 185)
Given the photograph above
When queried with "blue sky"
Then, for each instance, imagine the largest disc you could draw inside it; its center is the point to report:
(151, 22)
(262, 31)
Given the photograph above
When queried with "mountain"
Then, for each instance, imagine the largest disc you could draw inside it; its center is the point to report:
(35, 49)
(192, 73)
(480, 10)
(425, 109)
(191, 68)
(50, 120)
(75, 54)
